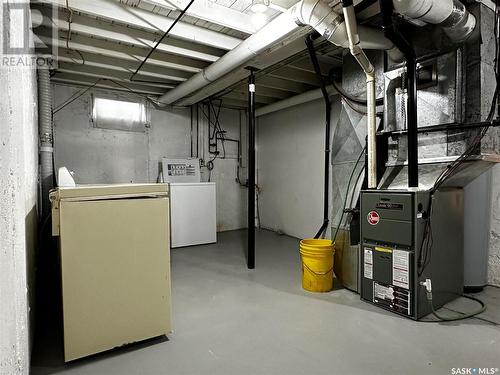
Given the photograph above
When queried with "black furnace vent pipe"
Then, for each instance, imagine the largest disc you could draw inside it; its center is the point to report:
(251, 171)
(386, 7)
(328, 110)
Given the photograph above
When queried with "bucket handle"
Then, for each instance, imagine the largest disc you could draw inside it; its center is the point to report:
(317, 273)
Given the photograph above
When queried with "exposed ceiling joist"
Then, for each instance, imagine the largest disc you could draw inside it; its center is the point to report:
(325, 63)
(142, 19)
(126, 66)
(282, 5)
(210, 11)
(73, 79)
(281, 84)
(90, 71)
(296, 75)
(127, 53)
(133, 37)
(233, 103)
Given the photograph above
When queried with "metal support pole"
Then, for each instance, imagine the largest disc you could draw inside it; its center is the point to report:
(251, 171)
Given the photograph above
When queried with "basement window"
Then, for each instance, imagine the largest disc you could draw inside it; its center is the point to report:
(119, 115)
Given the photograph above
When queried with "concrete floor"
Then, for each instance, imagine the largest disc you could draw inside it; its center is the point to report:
(229, 320)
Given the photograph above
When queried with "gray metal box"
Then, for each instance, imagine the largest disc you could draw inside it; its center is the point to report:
(392, 258)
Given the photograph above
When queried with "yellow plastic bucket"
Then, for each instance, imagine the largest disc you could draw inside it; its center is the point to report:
(317, 264)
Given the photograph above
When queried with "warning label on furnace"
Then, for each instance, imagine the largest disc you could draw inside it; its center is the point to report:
(401, 268)
(382, 292)
(368, 263)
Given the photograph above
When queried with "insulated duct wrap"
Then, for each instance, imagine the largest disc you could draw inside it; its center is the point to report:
(46, 138)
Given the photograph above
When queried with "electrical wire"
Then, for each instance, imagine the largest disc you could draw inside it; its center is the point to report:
(181, 14)
(69, 20)
(82, 92)
(462, 316)
(75, 96)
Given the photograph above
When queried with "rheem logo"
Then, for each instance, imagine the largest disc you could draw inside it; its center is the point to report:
(373, 218)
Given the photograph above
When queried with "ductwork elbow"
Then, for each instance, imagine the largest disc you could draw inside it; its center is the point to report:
(457, 22)
(331, 25)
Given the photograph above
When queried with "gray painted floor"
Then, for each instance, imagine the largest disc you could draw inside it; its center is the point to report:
(229, 320)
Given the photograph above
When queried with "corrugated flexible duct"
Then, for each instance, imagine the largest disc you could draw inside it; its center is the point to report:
(46, 138)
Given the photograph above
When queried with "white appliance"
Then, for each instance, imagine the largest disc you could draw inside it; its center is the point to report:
(193, 203)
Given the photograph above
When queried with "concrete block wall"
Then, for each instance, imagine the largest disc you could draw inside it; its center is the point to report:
(231, 196)
(18, 209)
(115, 156)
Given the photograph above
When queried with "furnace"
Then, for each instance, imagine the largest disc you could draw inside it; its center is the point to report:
(403, 245)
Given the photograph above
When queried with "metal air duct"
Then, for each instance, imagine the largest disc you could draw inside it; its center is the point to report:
(314, 13)
(452, 15)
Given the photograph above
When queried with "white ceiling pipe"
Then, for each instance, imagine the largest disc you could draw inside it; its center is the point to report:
(331, 26)
(315, 13)
(305, 97)
(452, 15)
(255, 44)
(366, 65)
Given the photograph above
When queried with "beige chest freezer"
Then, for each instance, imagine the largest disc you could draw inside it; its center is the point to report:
(115, 263)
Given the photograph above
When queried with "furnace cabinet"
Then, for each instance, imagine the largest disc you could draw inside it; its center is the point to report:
(396, 257)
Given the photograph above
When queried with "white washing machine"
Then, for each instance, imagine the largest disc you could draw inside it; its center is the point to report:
(193, 208)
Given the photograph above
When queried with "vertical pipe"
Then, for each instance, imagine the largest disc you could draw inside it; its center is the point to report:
(197, 130)
(360, 56)
(387, 8)
(251, 171)
(372, 131)
(191, 131)
(411, 69)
